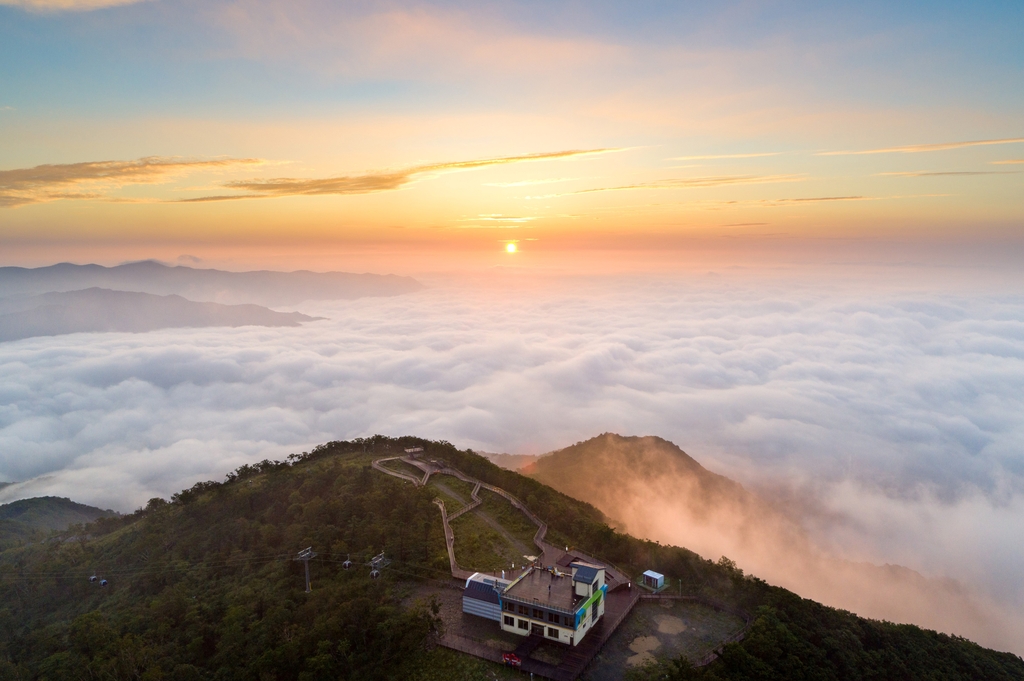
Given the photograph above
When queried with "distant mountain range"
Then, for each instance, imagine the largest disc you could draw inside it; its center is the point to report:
(97, 309)
(258, 287)
(511, 462)
(148, 295)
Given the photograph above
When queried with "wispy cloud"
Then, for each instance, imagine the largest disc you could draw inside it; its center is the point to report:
(527, 183)
(718, 156)
(688, 183)
(66, 5)
(1009, 161)
(53, 182)
(497, 217)
(378, 182)
(920, 148)
(823, 199)
(770, 203)
(941, 173)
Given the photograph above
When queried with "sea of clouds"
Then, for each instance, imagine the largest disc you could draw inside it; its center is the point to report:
(889, 419)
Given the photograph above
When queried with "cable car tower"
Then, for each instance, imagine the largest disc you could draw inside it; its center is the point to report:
(306, 555)
(377, 563)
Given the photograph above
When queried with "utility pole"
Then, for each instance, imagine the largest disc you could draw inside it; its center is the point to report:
(305, 555)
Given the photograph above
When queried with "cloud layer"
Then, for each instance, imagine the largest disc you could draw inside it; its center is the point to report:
(892, 418)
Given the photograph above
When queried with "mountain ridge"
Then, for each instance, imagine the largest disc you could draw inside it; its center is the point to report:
(261, 287)
(100, 310)
(34, 518)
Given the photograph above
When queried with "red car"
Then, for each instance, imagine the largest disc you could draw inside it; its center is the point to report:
(511, 660)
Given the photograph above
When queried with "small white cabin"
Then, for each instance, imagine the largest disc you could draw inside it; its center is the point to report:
(654, 580)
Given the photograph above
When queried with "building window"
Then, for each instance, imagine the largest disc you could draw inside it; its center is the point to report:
(552, 632)
(510, 621)
(538, 614)
(552, 617)
(523, 624)
(568, 621)
(523, 610)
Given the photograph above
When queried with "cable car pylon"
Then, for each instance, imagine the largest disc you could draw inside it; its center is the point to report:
(305, 555)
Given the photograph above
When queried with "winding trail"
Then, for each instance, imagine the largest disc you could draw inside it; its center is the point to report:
(549, 554)
(429, 469)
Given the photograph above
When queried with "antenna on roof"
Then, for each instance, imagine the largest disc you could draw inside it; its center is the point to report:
(306, 555)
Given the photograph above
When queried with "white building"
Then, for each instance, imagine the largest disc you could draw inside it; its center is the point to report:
(557, 605)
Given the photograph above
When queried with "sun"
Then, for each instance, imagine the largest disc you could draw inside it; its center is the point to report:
(510, 248)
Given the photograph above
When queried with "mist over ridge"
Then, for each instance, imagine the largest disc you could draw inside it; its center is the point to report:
(651, 488)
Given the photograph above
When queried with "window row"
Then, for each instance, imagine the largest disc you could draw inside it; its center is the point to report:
(537, 613)
(524, 625)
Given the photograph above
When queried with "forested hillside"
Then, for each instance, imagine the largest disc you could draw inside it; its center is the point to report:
(33, 519)
(205, 586)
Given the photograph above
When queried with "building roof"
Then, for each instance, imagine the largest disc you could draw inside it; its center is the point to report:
(566, 560)
(543, 588)
(655, 575)
(481, 592)
(585, 573)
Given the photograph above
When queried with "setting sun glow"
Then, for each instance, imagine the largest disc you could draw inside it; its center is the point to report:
(510, 248)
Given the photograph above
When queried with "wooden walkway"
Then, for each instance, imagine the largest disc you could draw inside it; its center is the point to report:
(429, 469)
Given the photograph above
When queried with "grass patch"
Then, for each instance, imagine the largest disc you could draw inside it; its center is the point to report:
(451, 504)
(478, 546)
(511, 518)
(460, 487)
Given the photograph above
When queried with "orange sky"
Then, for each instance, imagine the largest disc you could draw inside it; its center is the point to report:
(277, 134)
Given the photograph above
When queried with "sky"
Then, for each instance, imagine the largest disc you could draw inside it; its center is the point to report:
(264, 133)
(788, 237)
